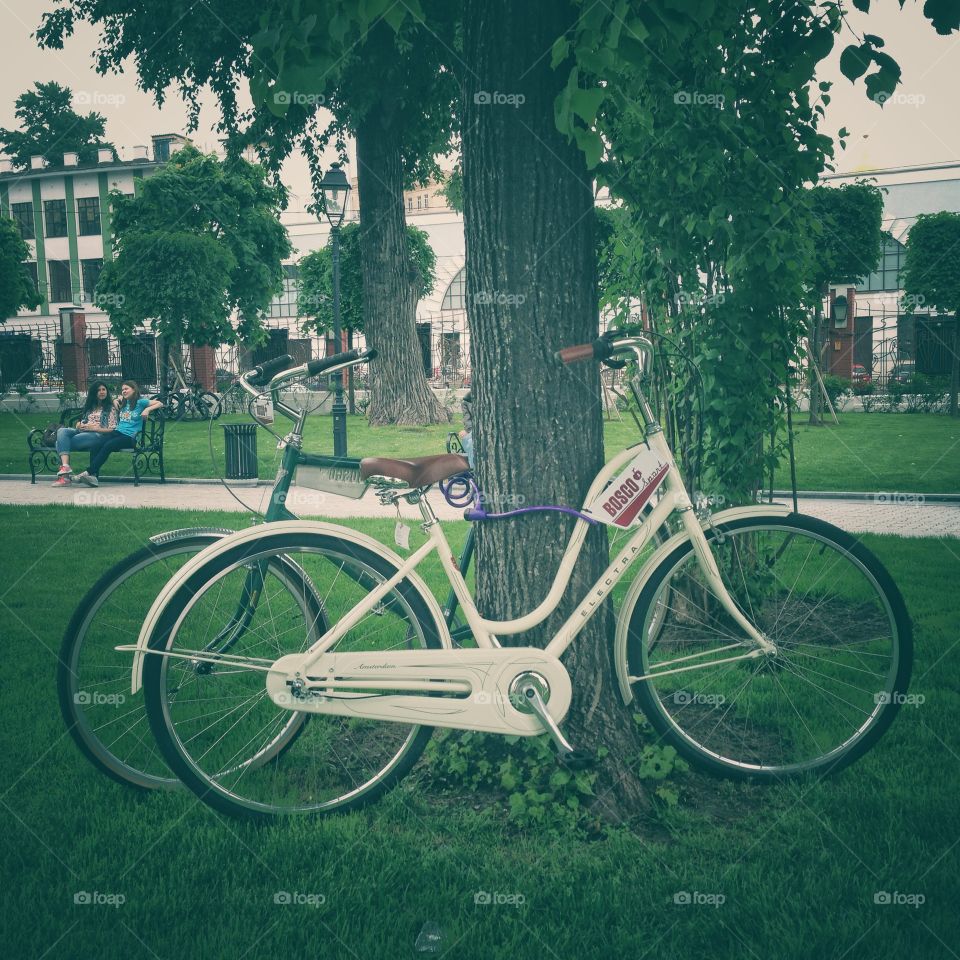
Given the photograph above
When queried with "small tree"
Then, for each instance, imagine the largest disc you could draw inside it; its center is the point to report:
(931, 276)
(16, 286)
(316, 279)
(847, 248)
(201, 241)
(51, 127)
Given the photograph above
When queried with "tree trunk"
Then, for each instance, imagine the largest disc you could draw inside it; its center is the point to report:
(531, 289)
(813, 364)
(399, 392)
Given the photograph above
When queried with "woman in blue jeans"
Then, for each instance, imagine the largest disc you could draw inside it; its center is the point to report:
(99, 418)
(132, 410)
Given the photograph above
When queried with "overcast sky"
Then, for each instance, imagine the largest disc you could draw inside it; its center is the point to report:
(921, 125)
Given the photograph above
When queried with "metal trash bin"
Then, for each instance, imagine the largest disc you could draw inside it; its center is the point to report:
(240, 447)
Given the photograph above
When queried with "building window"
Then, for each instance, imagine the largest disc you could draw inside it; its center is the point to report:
(286, 303)
(23, 214)
(55, 214)
(455, 297)
(409, 203)
(161, 150)
(419, 203)
(887, 274)
(89, 275)
(88, 216)
(426, 201)
(60, 289)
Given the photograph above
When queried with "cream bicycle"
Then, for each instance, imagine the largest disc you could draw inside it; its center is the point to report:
(759, 642)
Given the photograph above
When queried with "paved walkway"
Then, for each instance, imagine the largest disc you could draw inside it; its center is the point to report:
(887, 513)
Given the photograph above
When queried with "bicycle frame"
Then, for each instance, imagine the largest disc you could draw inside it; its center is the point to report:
(298, 681)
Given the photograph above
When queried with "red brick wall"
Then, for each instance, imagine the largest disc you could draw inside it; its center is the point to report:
(204, 363)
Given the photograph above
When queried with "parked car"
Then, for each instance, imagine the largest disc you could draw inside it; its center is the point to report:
(859, 375)
(903, 371)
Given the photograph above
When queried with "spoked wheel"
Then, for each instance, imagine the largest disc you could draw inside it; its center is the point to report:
(106, 721)
(843, 660)
(211, 723)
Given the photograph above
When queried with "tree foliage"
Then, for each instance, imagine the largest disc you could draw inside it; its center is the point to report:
(931, 276)
(316, 278)
(17, 289)
(202, 240)
(703, 119)
(931, 273)
(49, 127)
(847, 220)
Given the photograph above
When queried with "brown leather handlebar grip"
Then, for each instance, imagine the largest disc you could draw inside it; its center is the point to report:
(583, 351)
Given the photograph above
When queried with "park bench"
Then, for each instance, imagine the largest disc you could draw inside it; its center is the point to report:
(146, 455)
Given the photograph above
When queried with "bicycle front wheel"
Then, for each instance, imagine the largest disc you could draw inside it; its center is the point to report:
(843, 661)
(106, 721)
(210, 722)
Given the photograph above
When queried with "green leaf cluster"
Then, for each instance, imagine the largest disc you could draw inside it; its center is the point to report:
(50, 127)
(17, 289)
(315, 291)
(200, 241)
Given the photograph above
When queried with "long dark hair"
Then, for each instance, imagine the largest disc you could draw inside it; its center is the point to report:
(131, 402)
(94, 402)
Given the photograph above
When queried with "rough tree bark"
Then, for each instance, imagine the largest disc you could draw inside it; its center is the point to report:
(531, 289)
(399, 392)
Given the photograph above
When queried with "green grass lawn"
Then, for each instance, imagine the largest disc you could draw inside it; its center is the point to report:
(913, 453)
(798, 866)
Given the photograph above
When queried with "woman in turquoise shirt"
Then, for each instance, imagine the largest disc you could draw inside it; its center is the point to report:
(132, 410)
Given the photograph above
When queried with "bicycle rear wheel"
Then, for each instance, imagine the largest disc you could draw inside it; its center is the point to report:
(209, 724)
(843, 661)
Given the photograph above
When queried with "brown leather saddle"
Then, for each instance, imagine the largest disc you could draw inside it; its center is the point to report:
(417, 471)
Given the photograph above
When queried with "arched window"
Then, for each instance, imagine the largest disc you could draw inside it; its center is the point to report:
(455, 297)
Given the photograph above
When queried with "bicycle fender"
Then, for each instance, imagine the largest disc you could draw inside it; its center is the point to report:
(242, 537)
(623, 623)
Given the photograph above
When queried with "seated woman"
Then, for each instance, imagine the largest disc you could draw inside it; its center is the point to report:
(98, 419)
(132, 410)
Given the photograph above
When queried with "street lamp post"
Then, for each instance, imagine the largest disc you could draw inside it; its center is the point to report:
(335, 188)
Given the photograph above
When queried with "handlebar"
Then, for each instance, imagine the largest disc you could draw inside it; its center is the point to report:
(606, 347)
(265, 372)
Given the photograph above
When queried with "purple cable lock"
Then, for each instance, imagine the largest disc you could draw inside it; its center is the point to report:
(469, 493)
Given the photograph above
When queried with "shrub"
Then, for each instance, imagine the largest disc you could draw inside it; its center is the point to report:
(838, 390)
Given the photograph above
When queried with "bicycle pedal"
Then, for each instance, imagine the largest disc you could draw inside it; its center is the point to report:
(577, 760)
